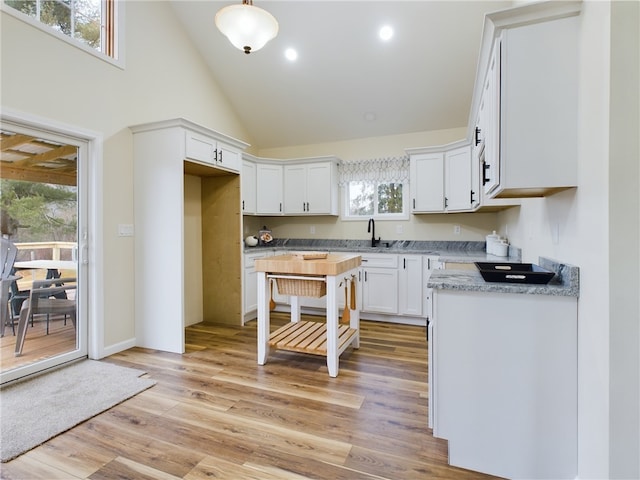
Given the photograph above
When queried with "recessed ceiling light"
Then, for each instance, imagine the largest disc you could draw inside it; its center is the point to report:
(370, 116)
(291, 54)
(386, 33)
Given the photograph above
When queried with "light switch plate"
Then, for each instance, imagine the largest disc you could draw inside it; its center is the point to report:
(125, 230)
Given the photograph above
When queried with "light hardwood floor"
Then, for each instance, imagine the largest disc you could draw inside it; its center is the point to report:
(215, 413)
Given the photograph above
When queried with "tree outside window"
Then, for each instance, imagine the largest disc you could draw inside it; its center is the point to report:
(377, 199)
(82, 20)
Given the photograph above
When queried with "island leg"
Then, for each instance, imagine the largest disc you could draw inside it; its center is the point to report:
(332, 326)
(263, 318)
(295, 308)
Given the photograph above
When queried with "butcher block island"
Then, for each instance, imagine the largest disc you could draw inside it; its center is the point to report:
(315, 275)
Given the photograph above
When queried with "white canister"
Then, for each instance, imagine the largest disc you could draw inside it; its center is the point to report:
(501, 249)
(492, 241)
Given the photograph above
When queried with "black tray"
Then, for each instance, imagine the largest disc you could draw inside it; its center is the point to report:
(514, 273)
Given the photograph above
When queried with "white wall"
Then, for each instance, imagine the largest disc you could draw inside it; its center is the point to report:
(596, 228)
(164, 78)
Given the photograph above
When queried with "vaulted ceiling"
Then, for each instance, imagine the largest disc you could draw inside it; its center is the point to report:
(346, 82)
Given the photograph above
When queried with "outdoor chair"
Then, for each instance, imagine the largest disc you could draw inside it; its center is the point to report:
(42, 300)
(8, 284)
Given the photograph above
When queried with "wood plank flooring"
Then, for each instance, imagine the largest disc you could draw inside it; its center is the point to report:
(37, 344)
(215, 413)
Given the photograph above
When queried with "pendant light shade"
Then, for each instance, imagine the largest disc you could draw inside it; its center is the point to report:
(247, 27)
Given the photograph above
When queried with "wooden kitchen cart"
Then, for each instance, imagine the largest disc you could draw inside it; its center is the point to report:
(329, 339)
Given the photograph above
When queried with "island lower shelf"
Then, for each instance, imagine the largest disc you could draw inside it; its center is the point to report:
(309, 337)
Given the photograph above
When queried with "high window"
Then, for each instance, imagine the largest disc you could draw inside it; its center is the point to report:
(92, 23)
(375, 188)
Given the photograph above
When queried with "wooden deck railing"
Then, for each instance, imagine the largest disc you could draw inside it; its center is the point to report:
(36, 251)
(55, 247)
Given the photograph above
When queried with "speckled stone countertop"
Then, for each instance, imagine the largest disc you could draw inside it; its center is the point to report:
(566, 282)
(447, 251)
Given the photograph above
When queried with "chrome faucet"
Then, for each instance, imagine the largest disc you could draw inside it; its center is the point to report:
(371, 228)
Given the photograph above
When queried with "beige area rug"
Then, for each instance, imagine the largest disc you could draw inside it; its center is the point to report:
(37, 409)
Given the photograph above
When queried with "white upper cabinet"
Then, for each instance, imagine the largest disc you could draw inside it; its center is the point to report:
(207, 149)
(531, 132)
(248, 185)
(269, 190)
(311, 189)
(440, 179)
(457, 179)
(427, 182)
(292, 187)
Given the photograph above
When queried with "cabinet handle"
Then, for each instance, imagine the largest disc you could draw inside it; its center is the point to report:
(485, 168)
(220, 159)
(446, 202)
(365, 275)
(307, 206)
(215, 155)
(304, 207)
(281, 206)
(478, 136)
(404, 263)
(428, 263)
(472, 194)
(242, 204)
(414, 203)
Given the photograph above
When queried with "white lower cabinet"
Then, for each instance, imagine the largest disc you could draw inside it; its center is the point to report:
(250, 285)
(410, 286)
(379, 281)
(380, 290)
(504, 387)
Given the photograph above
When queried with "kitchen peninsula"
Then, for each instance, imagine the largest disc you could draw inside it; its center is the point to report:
(503, 372)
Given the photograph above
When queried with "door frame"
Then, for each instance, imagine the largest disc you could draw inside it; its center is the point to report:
(90, 239)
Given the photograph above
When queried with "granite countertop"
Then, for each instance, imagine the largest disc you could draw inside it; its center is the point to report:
(447, 251)
(565, 283)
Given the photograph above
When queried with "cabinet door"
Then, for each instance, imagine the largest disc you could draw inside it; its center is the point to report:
(248, 183)
(319, 188)
(458, 179)
(490, 170)
(380, 290)
(269, 189)
(427, 182)
(250, 290)
(410, 286)
(228, 158)
(295, 186)
(200, 147)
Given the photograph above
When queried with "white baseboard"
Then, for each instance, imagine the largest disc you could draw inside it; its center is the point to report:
(116, 348)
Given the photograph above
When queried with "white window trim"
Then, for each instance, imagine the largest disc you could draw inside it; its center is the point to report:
(119, 40)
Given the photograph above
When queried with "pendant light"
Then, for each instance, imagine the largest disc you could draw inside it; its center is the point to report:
(247, 27)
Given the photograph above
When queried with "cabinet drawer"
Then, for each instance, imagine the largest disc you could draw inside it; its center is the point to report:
(250, 258)
(380, 260)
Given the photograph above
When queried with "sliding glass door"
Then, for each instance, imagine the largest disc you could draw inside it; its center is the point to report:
(43, 194)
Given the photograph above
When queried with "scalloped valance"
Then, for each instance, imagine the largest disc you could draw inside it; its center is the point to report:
(389, 170)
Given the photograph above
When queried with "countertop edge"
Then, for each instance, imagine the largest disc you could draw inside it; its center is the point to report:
(565, 283)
